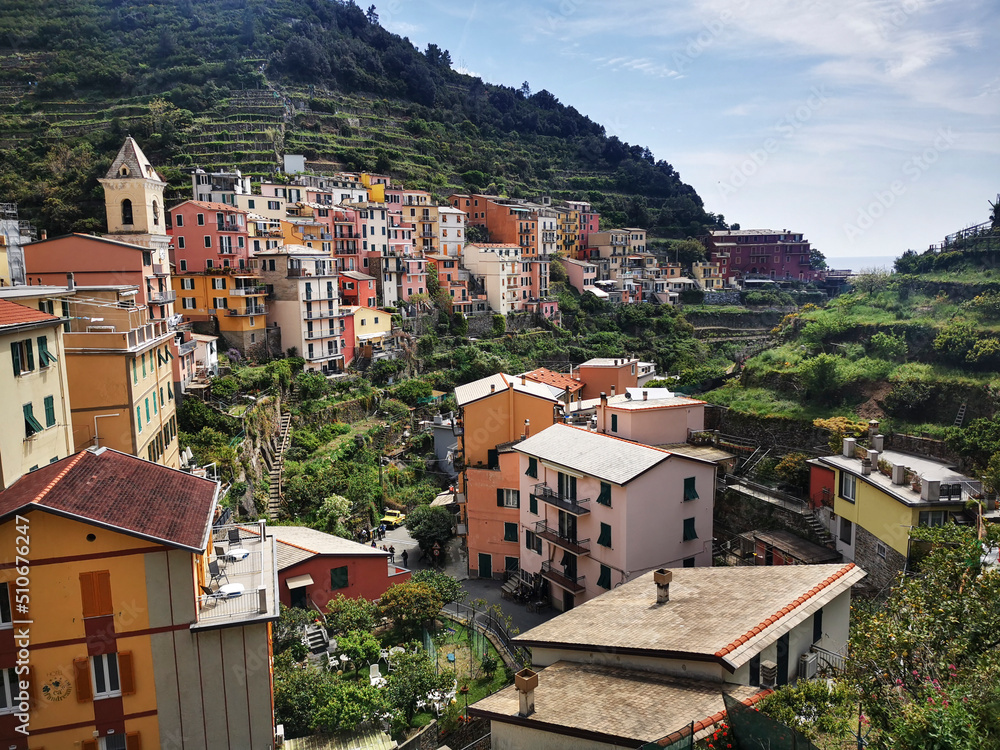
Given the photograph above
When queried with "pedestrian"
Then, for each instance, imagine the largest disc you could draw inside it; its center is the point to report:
(373, 544)
(392, 554)
(405, 556)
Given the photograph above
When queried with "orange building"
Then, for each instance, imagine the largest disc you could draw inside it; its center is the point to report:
(125, 650)
(496, 413)
(607, 375)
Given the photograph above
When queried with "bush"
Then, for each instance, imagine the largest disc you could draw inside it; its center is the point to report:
(887, 346)
(312, 386)
(225, 388)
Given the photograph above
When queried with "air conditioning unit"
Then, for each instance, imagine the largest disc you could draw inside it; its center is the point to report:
(808, 664)
(768, 674)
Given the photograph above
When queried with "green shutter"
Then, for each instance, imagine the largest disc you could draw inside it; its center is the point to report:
(65, 314)
(170, 392)
(690, 493)
(45, 357)
(135, 372)
(532, 467)
(510, 532)
(605, 538)
(533, 504)
(31, 425)
(605, 497)
(499, 497)
(143, 365)
(138, 417)
(147, 410)
(689, 532)
(154, 403)
(31, 355)
(338, 578)
(170, 354)
(15, 356)
(50, 411)
(614, 423)
(604, 580)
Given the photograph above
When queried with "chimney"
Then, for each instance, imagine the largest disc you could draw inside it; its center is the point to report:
(662, 578)
(645, 395)
(849, 444)
(878, 442)
(898, 474)
(527, 428)
(522, 379)
(493, 387)
(930, 489)
(612, 391)
(70, 282)
(45, 234)
(525, 682)
(872, 429)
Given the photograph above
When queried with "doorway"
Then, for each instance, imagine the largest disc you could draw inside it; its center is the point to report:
(485, 565)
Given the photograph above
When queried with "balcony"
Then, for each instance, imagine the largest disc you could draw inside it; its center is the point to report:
(321, 314)
(576, 546)
(250, 310)
(160, 298)
(161, 269)
(248, 291)
(255, 572)
(569, 504)
(551, 572)
(317, 335)
(228, 226)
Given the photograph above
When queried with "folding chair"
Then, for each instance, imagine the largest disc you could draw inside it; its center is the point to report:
(217, 573)
(234, 537)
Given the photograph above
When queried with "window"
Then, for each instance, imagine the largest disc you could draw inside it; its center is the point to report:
(184, 263)
(848, 486)
(201, 220)
(532, 542)
(187, 284)
(138, 417)
(218, 283)
(846, 531)
(250, 203)
(31, 425)
(605, 497)
(208, 240)
(5, 610)
(510, 532)
(338, 578)
(154, 402)
(50, 411)
(126, 211)
(605, 538)
(688, 562)
(690, 493)
(273, 205)
(818, 626)
(8, 691)
(143, 365)
(533, 504)
(45, 357)
(689, 531)
(508, 498)
(614, 423)
(604, 579)
(219, 303)
(147, 410)
(95, 593)
(23, 356)
(880, 550)
(187, 303)
(178, 220)
(933, 517)
(106, 677)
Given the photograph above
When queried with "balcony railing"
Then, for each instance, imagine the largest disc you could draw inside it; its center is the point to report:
(568, 504)
(576, 546)
(252, 565)
(161, 298)
(228, 226)
(248, 291)
(250, 310)
(553, 572)
(321, 314)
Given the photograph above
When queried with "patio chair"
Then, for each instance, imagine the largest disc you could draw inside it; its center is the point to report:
(211, 596)
(217, 573)
(220, 553)
(374, 675)
(234, 537)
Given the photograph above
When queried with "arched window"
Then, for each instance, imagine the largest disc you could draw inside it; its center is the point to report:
(123, 171)
(156, 214)
(126, 211)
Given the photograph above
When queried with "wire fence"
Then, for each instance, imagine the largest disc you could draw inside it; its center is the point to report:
(488, 621)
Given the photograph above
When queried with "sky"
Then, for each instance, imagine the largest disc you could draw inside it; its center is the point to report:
(870, 126)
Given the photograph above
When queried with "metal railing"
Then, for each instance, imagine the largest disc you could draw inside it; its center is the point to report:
(248, 291)
(569, 504)
(576, 546)
(489, 622)
(560, 578)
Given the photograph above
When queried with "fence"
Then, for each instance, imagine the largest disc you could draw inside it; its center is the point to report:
(489, 622)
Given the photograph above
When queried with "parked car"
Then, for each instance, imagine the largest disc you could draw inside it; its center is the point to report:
(393, 518)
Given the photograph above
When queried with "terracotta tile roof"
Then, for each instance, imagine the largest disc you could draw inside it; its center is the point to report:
(299, 543)
(13, 314)
(761, 604)
(212, 205)
(646, 705)
(558, 379)
(120, 492)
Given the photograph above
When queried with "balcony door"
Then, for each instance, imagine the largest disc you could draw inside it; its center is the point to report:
(567, 486)
(567, 526)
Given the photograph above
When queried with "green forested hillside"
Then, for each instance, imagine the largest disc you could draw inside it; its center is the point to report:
(223, 83)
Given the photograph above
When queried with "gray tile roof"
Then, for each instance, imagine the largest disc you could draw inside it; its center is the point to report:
(609, 458)
(298, 543)
(624, 706)
(470, 392)
(712, 612)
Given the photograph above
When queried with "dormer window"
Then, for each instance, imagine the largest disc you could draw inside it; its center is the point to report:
(123, 172)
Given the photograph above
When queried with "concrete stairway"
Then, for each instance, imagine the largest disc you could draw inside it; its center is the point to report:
(274, 492)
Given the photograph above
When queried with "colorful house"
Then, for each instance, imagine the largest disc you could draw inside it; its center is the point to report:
(135, 641)
(33, 380)
(607, 375)
(314, 567)
(767, 253)
(357, 288)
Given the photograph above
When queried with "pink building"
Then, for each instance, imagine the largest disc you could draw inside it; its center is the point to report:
(600, 510)
(766, 253)
(590, 220)
(581, 274)
(651, 416)
(208, 235)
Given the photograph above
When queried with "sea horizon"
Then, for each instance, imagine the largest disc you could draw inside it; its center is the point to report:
(859, 263)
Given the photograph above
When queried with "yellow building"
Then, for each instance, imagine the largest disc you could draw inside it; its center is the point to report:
(566, 232)
(870, 513)
(233, 298)
(376, 187)
(371, 329)
(35, 404)
(125, 650)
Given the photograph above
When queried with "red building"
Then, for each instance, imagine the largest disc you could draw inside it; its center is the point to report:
(761, 253)
(314, 567)
(357, 288)
(208, 235)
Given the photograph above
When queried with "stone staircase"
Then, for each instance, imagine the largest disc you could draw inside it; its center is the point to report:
(277, 467)
(818, 529)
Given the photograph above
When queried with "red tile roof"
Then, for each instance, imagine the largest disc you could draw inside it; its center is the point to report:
(120, 492)
(557, 379)
(214, 206)
(13, 314)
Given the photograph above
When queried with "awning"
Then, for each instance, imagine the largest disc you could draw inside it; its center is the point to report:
(371, 336)
(598, 292)
(297, 582)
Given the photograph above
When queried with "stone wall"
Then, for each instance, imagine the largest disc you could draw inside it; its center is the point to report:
(737, 514)
(881, 572)
(731, 319)
(765, 431)
(425, 739)
(479, 325)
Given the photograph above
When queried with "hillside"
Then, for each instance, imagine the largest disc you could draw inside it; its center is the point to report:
(918, 349)
(223, 83)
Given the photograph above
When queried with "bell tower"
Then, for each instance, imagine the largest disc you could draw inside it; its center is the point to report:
(133, 200)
